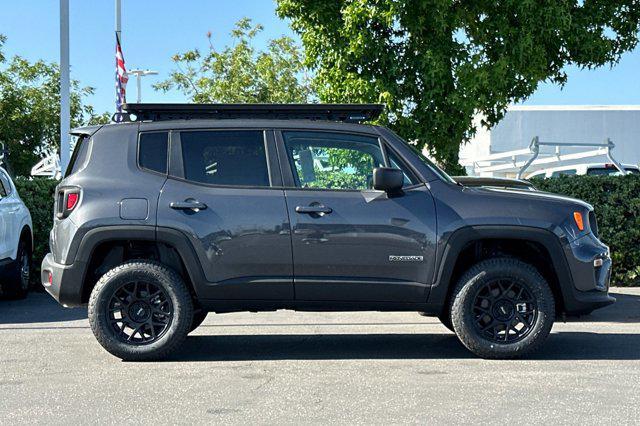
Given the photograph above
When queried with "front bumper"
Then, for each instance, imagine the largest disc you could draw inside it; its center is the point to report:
(54, 274)
(590, 265)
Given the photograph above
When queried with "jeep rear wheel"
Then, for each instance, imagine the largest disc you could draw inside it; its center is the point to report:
(140, 310)
(502, 308)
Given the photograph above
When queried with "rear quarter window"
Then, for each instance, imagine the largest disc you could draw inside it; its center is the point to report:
(152, 151)
(79, 156)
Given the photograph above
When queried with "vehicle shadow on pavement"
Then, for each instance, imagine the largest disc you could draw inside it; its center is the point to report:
(559, 346)
(37, 308)
(625, 310)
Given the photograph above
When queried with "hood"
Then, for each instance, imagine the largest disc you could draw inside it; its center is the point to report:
(462, 206)
(534, 196)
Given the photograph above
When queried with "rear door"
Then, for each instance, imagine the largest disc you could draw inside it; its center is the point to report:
(225, 192)
(351, 243)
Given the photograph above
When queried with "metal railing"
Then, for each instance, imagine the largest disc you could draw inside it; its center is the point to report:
(508, 160)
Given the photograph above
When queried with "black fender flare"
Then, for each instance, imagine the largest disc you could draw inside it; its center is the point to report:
(174, 238)
(459, 239)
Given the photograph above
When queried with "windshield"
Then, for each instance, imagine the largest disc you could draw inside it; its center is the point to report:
(437, 170)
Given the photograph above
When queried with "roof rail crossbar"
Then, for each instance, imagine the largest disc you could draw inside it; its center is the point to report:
(352, 113)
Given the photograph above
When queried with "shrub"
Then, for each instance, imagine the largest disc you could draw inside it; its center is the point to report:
(37, 195)
(616, 200)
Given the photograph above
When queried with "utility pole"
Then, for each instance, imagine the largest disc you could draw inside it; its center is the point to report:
(139, 74)
(65, 106)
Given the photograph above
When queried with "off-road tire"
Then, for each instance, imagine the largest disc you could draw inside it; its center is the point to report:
(462, 315)
(198, 319)
(162, 277)
(15, 286)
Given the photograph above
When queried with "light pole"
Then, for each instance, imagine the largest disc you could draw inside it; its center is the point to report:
(139, 74)
(118, 19)
(65, 107)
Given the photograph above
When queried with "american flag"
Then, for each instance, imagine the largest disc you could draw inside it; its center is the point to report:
(121, 80)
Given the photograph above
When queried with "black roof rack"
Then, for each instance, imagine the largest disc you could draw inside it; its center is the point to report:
(352, 113)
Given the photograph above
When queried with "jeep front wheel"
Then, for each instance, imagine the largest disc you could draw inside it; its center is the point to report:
(140, 310)
(502, 308)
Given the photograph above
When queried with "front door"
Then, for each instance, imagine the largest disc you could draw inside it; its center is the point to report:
(225, 199)
(351, 243)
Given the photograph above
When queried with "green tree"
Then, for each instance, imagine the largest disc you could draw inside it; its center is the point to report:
(30, 110)
(436, 63)
(239, 73)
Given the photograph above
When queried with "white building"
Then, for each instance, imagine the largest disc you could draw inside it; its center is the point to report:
(558, 124)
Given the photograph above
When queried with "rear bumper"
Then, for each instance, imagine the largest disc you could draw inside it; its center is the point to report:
(53, 274)
(590, 265)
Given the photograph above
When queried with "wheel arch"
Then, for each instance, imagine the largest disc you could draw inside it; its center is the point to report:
(469, 245)
(27, 233)
(104, 247)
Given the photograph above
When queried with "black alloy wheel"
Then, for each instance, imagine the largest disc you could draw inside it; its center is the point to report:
(505, 311)
(139, 312)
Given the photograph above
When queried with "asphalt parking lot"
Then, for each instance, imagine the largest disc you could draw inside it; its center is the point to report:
(288, 367)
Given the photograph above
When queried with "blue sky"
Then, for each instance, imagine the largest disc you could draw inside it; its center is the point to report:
(155, 30)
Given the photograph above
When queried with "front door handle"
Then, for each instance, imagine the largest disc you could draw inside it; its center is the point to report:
(318, 209)
(188, 204)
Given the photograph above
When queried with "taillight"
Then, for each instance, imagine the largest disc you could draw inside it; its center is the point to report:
(72, 200)
(68, 199)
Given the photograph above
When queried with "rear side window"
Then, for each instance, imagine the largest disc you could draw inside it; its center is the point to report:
(568, 172)
(601, 171)
(79, 156)
(152, 151)
(236, 158)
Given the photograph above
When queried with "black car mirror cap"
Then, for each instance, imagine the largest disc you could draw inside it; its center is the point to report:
(388, 179)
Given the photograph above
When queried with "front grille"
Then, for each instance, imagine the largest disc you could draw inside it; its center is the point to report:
(593, 223)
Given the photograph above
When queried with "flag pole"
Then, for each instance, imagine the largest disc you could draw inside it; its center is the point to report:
(65, 107)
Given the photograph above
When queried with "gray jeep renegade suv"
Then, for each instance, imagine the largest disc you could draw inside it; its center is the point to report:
(191, 209)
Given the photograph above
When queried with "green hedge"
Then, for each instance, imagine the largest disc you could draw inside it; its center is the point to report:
(616, 200)
(38, 195)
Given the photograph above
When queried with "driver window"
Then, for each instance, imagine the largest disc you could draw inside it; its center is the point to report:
(333, 160)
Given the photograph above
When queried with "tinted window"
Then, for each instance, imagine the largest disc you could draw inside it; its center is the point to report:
(568, 172)
(333, 160)
(152, 152)
(5, 186)
(609, 171)
(225, 158)
(79, 156)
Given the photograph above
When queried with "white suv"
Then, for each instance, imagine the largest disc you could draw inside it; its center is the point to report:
(16, 240)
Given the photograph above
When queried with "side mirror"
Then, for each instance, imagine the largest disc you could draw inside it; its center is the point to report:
(388, 179)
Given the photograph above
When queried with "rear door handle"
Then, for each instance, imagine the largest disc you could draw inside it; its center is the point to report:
(188, 204)
(314, 209)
